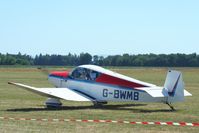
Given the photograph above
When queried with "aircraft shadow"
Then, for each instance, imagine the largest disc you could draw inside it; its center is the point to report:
(104, 107)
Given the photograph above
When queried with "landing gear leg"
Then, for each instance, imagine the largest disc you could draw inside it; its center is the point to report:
(169, 104)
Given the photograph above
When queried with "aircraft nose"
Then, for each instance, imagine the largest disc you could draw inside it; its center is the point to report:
(61, 74)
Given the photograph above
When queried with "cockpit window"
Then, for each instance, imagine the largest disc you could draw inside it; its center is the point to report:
(84, 74)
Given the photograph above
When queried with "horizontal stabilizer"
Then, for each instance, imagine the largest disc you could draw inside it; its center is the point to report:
(60, 93)
(186, 93)
(160, 92)
(156, 91)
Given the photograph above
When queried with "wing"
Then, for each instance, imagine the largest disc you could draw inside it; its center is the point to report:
(60, 93)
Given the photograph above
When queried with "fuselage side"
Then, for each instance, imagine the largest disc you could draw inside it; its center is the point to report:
(105, 85)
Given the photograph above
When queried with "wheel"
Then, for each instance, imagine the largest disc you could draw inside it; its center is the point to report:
(98, 104)
(53, 103)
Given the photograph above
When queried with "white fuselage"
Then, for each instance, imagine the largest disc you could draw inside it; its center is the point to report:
(104, 92)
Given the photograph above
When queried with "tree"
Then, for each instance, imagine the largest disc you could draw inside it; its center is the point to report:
(170, 60)
(96, 59)
(85, 58)
(10, 60)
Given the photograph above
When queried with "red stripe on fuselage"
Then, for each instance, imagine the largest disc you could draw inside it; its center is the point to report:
(62, 74)
(104, 78)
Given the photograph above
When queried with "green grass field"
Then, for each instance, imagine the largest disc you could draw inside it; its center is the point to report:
(16, 102)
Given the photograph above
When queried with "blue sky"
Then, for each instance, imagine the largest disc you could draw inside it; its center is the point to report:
(101, 27)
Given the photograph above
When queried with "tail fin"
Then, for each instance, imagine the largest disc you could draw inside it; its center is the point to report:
(174, 86)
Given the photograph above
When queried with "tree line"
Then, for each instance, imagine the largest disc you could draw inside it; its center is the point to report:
(159, 60)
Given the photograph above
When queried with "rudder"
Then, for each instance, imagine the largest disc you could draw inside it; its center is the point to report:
(174, 86)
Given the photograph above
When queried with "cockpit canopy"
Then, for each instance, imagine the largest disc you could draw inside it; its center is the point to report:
(84, 74)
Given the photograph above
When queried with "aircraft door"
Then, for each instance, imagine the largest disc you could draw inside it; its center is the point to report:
(62, 82)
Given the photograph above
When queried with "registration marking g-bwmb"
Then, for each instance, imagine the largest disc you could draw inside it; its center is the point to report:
(121, 94)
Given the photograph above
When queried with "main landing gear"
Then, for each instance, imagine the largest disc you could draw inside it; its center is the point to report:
(98, 104)
(53, 103)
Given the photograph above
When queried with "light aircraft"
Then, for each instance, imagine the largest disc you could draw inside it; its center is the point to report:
(99, 85)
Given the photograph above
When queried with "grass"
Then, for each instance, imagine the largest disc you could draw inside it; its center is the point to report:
(16, 102)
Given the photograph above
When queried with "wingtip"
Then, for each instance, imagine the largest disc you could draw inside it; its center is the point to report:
(9, 82)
